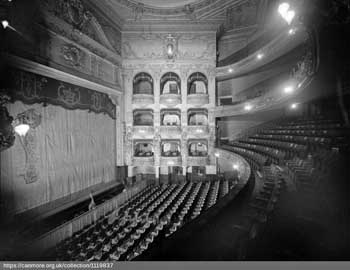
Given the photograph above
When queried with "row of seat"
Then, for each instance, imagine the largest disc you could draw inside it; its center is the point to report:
(260, 208)
(141, 220)
(289, 139)
(272, 155)
(255, 160)
(311, 121)
(289, 148)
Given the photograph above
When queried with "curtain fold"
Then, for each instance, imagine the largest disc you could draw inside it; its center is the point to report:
(71, 150)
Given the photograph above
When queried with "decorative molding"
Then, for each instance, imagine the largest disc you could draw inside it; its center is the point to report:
(187, 46)
(198, 99)
(274, 49)
(142, 99)
(31, 88)
(170, 99)
(50, 72)
(75, 14)
(72, 55)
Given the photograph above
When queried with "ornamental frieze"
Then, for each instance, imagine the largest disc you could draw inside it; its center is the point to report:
(31, 88)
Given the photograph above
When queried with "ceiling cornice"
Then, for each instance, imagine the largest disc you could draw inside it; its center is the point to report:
(171, 26)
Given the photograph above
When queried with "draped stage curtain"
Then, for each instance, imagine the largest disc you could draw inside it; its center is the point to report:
(69, 151)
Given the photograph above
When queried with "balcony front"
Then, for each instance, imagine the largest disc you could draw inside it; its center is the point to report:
(197, 130)
(143, 161)
(198, 99)
(143, 131)
(143, 99)
(170, 161)
(170, 99)
(197, 161)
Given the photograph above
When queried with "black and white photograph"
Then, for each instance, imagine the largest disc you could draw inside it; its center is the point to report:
(174, 132)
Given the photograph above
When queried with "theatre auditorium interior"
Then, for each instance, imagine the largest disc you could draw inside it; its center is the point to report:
(184, 130)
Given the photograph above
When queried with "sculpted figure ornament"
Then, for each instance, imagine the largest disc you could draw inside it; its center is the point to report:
(189, 11)
(72, 55)
(138, 11)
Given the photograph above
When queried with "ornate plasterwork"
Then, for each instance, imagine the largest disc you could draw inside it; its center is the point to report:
(242, 15)
(72, 55)
(86, 31)
(7, 134)
(75, 14)
(152, 46)
(185, 9)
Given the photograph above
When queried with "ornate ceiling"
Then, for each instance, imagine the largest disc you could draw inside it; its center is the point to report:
(180, 14)
(166, 3)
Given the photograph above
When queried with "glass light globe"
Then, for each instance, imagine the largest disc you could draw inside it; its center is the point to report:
(22, 129)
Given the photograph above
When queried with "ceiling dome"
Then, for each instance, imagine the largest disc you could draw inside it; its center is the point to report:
(167, 3)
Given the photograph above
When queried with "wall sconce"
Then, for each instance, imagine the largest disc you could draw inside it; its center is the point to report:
(170, 50)
(26, 120)
(170, 47)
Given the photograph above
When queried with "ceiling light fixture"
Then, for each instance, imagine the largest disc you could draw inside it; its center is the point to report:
(22, 129)
(286, 13)
(294, 106)
(5, 24)
(288, 89)
(230, 70)
(291, 31)
(248, 107)
(260, 56)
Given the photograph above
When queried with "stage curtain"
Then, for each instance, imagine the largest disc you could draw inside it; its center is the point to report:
(70, 150)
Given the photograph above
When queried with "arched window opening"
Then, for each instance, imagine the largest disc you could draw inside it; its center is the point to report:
(197, 83)
(170, 83)
(143, 84)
